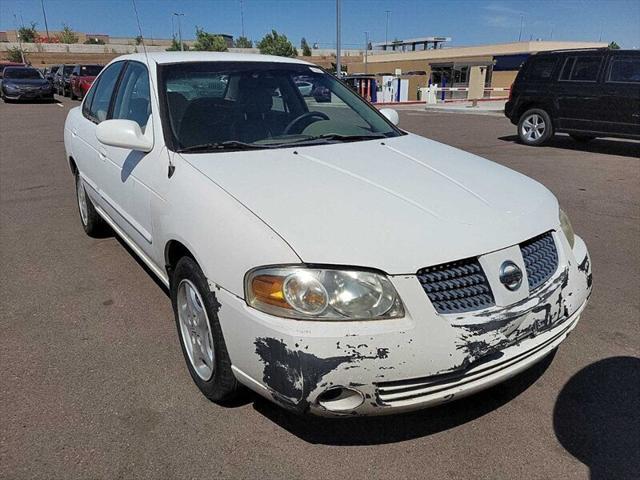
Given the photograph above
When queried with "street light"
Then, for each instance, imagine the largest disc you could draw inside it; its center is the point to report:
(338, 63)
(179, 29)
(366, 51)
(386, 28)
(44, 13)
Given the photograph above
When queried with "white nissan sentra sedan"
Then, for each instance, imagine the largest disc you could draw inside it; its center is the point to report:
(315, 252)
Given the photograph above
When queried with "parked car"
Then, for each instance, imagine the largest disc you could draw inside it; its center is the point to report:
(324, 258)
(61, 80)
(49, 72)
(82, 76)
(3, 65)
(24, 83)
(585, 93)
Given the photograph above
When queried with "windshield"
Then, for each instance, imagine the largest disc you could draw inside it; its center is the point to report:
(90, 70)
(68, 69)
(235, 105)
(21, 73)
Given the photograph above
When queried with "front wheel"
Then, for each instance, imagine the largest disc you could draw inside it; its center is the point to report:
(196, 313)
(535, 127)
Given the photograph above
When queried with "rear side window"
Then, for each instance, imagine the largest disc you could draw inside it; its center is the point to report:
(581, 69)
(103, 91)
(624, 70)
(541, 69)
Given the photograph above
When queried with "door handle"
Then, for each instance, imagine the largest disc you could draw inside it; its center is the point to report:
(74, 132)
(102, 153)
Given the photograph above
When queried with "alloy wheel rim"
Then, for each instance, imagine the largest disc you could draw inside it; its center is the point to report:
(82, 202)
(195, 330)
(533, 127)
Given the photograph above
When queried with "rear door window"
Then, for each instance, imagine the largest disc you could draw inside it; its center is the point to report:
(624, 70)
(541, 69)
(581, 69)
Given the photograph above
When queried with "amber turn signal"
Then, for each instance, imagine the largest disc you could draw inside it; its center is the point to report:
(268, 289)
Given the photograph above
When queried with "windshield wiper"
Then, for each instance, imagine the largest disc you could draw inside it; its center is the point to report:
(228, 145)
(328, 137)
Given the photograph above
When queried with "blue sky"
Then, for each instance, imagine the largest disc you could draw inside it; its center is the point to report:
(468, 22)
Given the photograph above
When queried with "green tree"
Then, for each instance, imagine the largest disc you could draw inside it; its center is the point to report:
(243, 42)
(94, 41)
(138, 40)
(14, 54)
(209, 42)
(614, 46)
(276, 44)
(67, 35)
(306, 51)
(175, 45)
(28, 34)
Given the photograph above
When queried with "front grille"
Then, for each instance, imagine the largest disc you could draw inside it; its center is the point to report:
(456, 287)
(540, 259)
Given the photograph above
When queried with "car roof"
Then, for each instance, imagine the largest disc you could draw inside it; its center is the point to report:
(18, 67)
(178, 57)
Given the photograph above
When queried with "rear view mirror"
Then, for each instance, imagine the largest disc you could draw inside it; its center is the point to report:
(391, 115)
(125, 134)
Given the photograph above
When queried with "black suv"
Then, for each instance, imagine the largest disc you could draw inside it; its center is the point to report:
(585, 93)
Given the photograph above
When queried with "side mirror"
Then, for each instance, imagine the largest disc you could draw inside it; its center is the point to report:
(124, 134)
(391, 115)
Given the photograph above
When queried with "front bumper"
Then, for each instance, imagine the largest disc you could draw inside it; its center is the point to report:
(28, 95)
(421, 360)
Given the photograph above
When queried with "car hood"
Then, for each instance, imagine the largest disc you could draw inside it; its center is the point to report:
(32, 82)
(397, 204)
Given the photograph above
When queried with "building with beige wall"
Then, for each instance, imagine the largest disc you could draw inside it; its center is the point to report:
(452, 66)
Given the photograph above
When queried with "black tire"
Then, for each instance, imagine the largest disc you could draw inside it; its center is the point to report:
(222, 386)
(93, 225)
(535, 127)
(581, 138)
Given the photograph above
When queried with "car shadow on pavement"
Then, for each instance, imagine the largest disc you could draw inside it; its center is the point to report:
(623, 148)
(154, 277)
(396, 428)
(597, 418)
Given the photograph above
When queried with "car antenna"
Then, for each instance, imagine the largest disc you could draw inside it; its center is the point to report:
(151, 83)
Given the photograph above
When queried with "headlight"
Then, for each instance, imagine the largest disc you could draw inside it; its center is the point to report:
(10, 86)
(567, 228)
(322, 293)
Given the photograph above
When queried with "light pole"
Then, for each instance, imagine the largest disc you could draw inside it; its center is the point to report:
(180, 29)
(44, 13)
(242, 17)
(338, 63)
(521, 23)
(386, 28)
(15, 20)
(366, 51)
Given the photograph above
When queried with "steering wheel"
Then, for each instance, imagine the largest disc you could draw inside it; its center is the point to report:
(304, 116)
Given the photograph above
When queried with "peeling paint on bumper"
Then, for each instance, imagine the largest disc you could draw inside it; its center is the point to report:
(421, 360)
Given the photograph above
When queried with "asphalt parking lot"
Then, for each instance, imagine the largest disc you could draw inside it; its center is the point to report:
(93, 383)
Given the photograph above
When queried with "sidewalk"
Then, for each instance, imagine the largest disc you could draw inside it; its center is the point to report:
(484, 107)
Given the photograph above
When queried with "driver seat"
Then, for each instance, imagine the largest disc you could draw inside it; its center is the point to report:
(254, 105)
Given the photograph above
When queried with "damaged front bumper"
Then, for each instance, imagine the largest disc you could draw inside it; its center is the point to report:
(421, 360)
